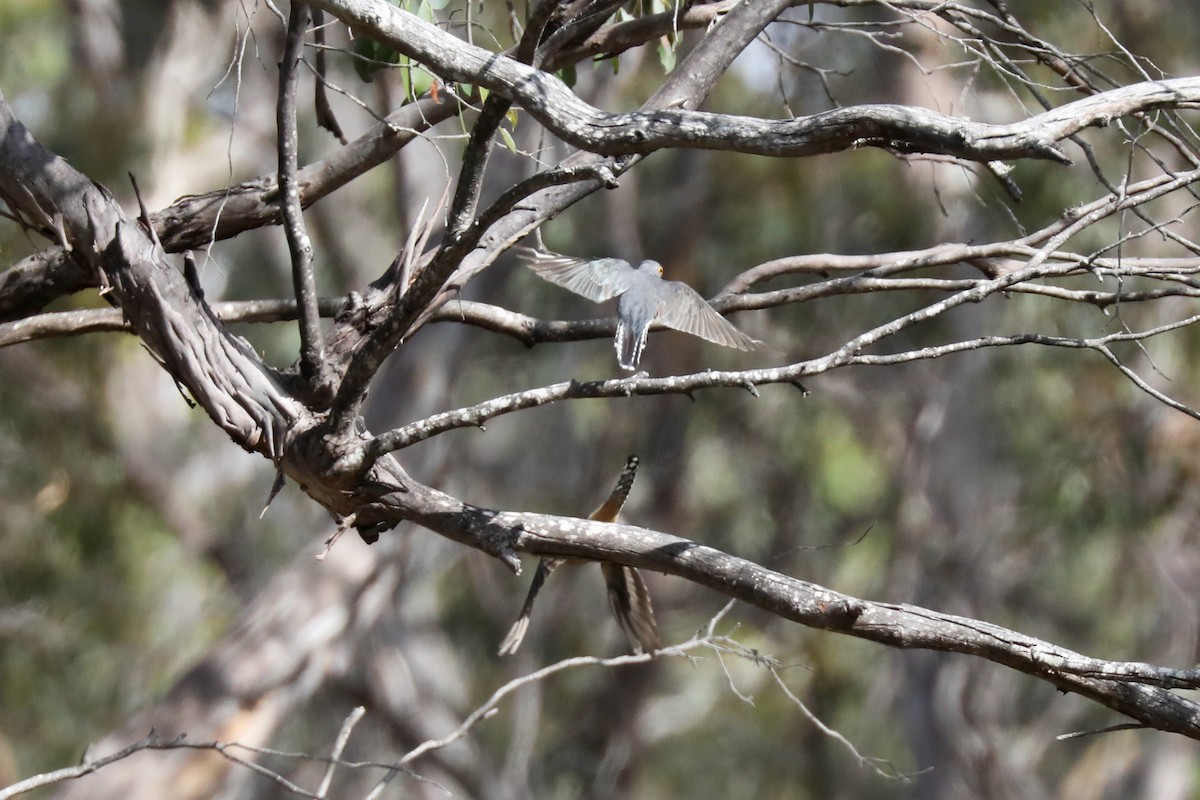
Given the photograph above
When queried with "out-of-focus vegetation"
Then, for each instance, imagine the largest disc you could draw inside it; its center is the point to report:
(1035, 488)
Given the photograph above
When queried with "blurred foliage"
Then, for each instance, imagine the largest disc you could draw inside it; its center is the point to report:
(1030, 487)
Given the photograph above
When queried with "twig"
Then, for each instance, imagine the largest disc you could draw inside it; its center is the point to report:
(152, 742)
(489, 706)
(325, 116)
(865, 761)
(71, 773)
(1125, 726)
(339, 747)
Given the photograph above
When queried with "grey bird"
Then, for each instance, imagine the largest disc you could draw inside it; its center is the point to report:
(643, 299)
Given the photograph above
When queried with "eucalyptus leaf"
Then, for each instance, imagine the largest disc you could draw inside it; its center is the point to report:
(508, 140)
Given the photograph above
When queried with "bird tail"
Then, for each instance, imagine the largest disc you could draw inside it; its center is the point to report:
(629, 345)
(608, 510)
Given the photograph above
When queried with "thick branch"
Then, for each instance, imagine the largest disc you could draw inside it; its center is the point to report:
(894, 625)
(222, 372)
(39, 280)
(902, 128)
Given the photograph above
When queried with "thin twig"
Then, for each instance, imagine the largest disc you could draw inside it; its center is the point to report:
(71, 773)
(339, 747)
(875, 764)
(325, 116)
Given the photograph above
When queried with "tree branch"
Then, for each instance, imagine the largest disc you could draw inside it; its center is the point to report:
(313, 365)
(531, 331)
(901, 128)
(454, 263)
(612, 40)
(195, 221)
(72, 773)
(892, 624)
(222, 372)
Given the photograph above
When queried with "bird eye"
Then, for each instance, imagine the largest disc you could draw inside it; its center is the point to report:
(660, 270)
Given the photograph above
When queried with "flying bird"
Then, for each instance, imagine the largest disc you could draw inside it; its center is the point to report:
(643, 298)
(628, 597)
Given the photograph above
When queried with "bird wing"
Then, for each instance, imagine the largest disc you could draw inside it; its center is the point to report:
(597, 279)
(629, 599)
(684, 310)
(628, 596)
(516, 634)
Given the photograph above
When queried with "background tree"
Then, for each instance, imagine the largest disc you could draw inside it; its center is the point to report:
(880, 184)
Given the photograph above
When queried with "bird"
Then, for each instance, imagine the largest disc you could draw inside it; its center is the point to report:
(628, 597)
(643, 297)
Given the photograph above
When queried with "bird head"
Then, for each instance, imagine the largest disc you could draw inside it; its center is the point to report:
(651, 268)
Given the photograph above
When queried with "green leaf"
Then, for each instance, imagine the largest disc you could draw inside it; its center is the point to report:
(666, 54)
(511, 116)
(508, 140)
(420, 80)
(567, 75)
(365, 48)
(373, 57)
(406, 79)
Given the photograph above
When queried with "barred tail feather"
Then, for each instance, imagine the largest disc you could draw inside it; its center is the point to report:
(516, 634)
(629, 346)
(628, 596)
(629, 600)
(608, 510)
